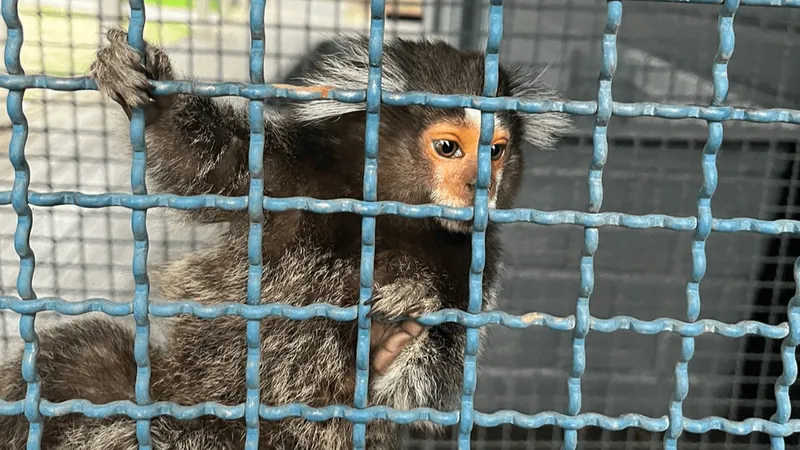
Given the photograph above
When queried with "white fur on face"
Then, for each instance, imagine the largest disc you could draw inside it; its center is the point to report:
(473, 117)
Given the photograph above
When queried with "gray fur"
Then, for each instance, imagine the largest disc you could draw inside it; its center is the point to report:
(541, 130)
(345, 67)
(196, 145)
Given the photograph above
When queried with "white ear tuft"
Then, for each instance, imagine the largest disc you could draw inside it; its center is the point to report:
(346, 68)
(541, 130)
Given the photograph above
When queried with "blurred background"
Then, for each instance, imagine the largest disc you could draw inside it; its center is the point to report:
(78, 141)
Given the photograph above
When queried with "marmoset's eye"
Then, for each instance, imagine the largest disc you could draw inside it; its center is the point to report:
(448, 149)
(498, 150)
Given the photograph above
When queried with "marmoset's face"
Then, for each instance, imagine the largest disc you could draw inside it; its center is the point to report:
(451, 147)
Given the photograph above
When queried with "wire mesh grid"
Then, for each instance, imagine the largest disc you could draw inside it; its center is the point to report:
(579, 323)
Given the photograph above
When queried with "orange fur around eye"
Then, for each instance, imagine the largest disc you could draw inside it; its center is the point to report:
(453, 176)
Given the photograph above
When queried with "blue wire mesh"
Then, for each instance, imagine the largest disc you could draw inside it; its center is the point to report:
(256, 91)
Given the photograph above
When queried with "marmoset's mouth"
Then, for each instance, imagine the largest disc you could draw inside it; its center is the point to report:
(387, 340)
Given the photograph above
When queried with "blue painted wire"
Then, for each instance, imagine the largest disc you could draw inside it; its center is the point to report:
(19, 201)
(564, 217)
(141, 242)
(493, 104)
(264, 310)
(704, 219)
(255, 201)
(370, 188)
(592, 234)
(789, 359)
(480, 222)
(359, 415)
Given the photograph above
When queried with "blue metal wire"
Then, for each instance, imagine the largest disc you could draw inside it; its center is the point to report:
(19, 193)
(480, 221)
(255, 200)
(359, 415)
(141, 244)
(370, 187)
(789, 360)
(494, 104)
(704, 215)
(264, 310)
(779, 426)
(592, 234)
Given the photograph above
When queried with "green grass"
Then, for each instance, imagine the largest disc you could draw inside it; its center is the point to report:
(61, 46)
(163, 33)
(183, 4)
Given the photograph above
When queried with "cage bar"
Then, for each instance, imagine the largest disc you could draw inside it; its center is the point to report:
(141, 297)
(142, 410)
(255, 200)
(370, 184)
(704, 219)
(19, 201)
(480, 221)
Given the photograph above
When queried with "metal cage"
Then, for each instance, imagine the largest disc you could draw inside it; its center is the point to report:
(752, 321)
